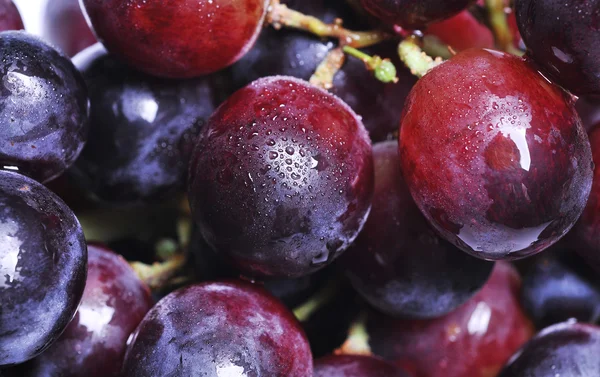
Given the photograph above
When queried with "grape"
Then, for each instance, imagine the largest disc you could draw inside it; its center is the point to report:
(587, 230)
(43, 107)
(113, 304)
(414, 14)
(10, 19)
(142, 130)
(397, 263)
(182, 40)
(566, 349)
(475, 340)
(219, 329)
(462, 31)
(42, 267)
(65, 26)
(563, 39)
(494, 155)
(355, 366)
(560, 286)
(281, 178)
(589, 111)
(294, 53)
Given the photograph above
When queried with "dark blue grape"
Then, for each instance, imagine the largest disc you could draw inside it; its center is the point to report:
(43, 260)
(564, 350)
(142, 130)
(43, 107)
(114, 302)
(558, 286)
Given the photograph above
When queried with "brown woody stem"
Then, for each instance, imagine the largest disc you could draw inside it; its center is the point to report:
(325, 72)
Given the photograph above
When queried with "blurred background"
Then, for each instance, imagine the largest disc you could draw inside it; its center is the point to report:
(32, 12)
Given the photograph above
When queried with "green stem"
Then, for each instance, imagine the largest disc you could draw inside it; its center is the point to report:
(322, 297)
(357, 342)
(158, 275)
(280, 15)
(497, 17)
(415, 59)
(325, 72)
(384, 69)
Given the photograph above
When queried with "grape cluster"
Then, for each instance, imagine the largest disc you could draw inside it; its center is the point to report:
(237, 188)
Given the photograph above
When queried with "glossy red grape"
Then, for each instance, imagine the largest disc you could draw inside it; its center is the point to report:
(462, 32)
(114, 302)
(177, 39)
(43, 259)
(567, 349)
(142, 130)
(10, 18)
(414, 14)
(563, 39)
(65, 26)
(43, 107)
(494, 155)
(355, 366)
(587, 230)
(219, 329)
(559, 286)
(475, 340)
(398, 263)
(281, 178)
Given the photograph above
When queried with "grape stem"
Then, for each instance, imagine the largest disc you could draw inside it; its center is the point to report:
(314, 303)
(497, 16)
(158, 275)
(418, 62)
(280, 15)
(357, 342)
(384, 69)
(325, 72)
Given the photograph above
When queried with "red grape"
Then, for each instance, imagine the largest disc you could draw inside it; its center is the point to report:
(562, 37)
(462, 31)
(43, 264)
(219, 329)
(177, 38)
(114, 302)
(494, 155)
(355, 366)
(398, 263)
(66, 27)
(10, 18)
(414, 14)
(564, 350)
(475, 340)
(281, 178)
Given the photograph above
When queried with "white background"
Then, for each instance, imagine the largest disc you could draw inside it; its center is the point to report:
(32, 12)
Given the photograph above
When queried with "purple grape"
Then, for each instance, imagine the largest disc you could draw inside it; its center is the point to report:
(219, 329)
(398, 263)
(43, 259)
(567, 349)
(355, 366)
(10, 18)
(65, 26)
(281, 178)
(43, 107)
(142, 130)
(558, 286)
(562, 37)
(114, 302)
